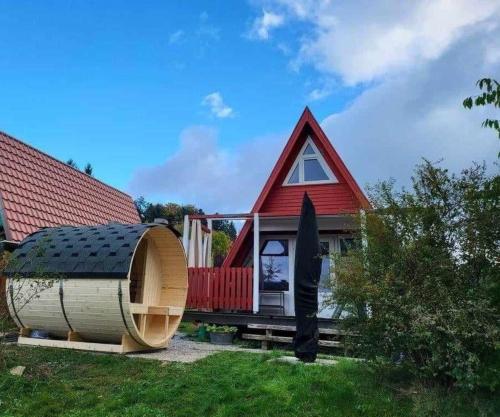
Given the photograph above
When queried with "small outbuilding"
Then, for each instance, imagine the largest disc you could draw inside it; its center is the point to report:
(116, 287)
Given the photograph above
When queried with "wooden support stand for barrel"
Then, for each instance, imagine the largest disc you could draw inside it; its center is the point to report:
(74, 341)
(115, 288)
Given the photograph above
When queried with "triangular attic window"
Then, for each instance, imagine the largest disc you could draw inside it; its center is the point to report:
(309, 150)
(310, 167)
(294, 178)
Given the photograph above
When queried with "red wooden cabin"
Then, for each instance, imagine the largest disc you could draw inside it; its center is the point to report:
(257, 276)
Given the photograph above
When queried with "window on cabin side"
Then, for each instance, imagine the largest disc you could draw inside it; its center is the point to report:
(310, 167)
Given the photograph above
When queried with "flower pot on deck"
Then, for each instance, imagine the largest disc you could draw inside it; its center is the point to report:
(220, 338)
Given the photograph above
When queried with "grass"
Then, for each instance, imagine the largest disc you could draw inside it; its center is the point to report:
(189, 328)
(68, 383)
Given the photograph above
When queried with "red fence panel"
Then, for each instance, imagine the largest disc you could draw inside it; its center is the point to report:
(220, 289)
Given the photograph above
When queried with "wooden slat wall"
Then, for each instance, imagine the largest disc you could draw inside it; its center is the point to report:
(328, 199)
(220, 289)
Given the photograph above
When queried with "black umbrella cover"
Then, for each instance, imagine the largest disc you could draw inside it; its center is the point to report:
(306, 280)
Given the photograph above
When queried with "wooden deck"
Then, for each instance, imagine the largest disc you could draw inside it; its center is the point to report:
(243, 319)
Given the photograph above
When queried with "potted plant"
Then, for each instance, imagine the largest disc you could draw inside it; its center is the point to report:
(221, 335)
(202, 332)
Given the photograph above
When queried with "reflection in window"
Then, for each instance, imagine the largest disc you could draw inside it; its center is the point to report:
(347, 244)
(274, 265)
(309, 150)
(294, 178)
(324, 281)
(313, 171)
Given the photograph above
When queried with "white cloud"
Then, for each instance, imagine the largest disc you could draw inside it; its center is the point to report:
(207, 30)
(218, 108)
(205, 174)
(417, 61)
(391, 126)
(368, 40)
(176, 37)
(263, 25)
(321, 92)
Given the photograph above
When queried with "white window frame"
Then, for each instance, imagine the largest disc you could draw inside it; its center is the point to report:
(332, 179)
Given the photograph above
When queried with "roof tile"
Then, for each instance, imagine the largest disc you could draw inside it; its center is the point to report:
(39, 191)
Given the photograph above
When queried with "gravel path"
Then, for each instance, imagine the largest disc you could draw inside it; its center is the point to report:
(182, 349)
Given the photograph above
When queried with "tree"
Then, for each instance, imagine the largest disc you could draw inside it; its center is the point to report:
(141, 205)
(221, 243)
(172, 212)
(490, 96)
(429, 275)
(225, 226)
(88, 169)
(72, 163)
(154, 211)
(271, 269)
(21, 291)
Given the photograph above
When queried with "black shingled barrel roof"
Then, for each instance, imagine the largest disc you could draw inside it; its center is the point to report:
(103, 251)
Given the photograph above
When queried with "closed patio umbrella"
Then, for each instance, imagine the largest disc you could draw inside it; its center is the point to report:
(307, 275)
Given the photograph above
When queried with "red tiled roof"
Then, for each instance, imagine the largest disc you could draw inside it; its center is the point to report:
(37, 191)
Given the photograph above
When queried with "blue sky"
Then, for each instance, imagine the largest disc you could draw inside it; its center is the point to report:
(192, 101)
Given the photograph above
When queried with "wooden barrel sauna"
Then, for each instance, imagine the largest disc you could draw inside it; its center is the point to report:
(100, 284)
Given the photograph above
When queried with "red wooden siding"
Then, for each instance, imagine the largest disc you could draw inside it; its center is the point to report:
(220, 289)
(328, 199)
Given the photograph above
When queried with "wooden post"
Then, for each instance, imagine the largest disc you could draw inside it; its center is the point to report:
(185, 234)
(204, 249)
(256, 264)
(192, 247)
(199, 244)
(209, 244)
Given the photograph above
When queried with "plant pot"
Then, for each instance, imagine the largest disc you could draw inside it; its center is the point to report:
(218, 338)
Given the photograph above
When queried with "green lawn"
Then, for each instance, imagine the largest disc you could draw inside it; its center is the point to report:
(68, 383)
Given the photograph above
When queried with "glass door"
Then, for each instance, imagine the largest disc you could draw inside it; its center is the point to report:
(275, 286)
(327, 245)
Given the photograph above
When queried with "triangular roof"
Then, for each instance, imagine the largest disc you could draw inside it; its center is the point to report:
(307, 127)
(38, 191)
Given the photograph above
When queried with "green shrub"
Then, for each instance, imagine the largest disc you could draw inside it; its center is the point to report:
(221, 329)
(427, 276)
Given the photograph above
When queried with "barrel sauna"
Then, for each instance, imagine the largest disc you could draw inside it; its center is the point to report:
(99, 287)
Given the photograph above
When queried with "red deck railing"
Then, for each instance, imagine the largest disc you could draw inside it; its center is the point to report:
(220, 289)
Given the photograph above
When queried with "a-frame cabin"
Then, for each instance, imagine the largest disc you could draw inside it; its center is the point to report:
(308, 163)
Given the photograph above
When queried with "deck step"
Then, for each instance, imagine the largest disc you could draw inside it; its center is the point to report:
(287, 339)
(322, 330)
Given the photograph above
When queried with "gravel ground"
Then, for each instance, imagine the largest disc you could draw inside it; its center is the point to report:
(182, 349)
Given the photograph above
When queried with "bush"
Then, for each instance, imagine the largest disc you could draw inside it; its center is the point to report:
(428, 276)
(220, 247)
(213, 328)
